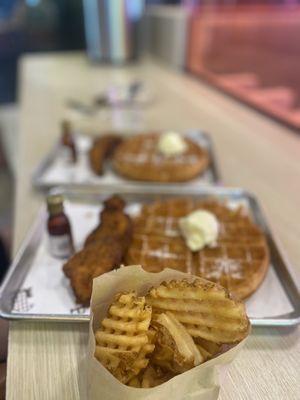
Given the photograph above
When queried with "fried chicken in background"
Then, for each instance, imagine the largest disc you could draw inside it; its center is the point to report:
(114, 223)
(103, 250)
(102, 148)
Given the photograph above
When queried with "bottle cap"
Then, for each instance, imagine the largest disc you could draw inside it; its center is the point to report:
(55, 204)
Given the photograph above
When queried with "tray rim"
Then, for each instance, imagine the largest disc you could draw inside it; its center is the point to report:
(42, 166)
(289, 285)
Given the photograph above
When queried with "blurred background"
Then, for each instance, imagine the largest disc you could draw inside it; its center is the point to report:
(246, 48)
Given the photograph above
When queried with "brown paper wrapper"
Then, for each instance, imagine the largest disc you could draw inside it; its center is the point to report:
(201, 382)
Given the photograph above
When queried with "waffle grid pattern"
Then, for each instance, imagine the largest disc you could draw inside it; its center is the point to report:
(138, 158)
(240, 252)
(145, 152)
(127, 319)
(123, 342)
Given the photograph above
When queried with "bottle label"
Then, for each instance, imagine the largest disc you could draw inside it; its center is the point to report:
(60, 246)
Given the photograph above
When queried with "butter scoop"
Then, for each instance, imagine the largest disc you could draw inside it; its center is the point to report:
(199, 229)
(171, 144)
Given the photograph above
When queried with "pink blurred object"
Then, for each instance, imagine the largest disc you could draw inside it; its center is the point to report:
(251, 52)
(281, 97)
(242, 81)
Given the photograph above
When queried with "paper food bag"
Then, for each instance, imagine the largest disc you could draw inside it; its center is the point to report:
(199, 383)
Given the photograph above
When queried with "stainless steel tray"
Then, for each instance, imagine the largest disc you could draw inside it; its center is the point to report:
(268, 300)
(54, 171)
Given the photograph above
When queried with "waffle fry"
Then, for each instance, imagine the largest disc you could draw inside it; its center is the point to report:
(154, 376)
(205, 309)
(175, 349)
(135, 382)
(145, 341)
(208, 349)
(124, 341)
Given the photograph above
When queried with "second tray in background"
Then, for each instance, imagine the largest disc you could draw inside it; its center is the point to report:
(55, 171)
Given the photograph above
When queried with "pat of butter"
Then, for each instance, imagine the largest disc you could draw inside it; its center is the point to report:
(199, 229)
(171, 144)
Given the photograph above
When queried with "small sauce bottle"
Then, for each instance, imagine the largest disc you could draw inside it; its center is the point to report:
(68, 143)
(59, 228)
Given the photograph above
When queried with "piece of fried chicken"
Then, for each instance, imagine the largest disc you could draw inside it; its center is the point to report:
(102, 148)
(93, 260)
(103, 250)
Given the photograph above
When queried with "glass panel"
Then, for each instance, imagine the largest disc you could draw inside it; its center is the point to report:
(250, 49)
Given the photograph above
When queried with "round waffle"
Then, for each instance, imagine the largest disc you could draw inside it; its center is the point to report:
(238, 262)
(138, 158)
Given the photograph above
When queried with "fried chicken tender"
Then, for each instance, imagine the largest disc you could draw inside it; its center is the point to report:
(103, 250)
(114, 203)
(91, 261)
(102, 148)
(116, 225)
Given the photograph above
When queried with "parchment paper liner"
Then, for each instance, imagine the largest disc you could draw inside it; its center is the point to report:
(199, 383)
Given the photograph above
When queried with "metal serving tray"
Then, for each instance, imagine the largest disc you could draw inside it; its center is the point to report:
(36, 289)
(55, 171)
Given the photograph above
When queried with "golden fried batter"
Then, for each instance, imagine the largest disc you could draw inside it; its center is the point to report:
(116, 225)
(103, 250)
(91, 261)
(103, 147)
(114, 203)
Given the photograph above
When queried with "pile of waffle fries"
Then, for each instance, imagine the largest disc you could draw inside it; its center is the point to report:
(146, 340)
